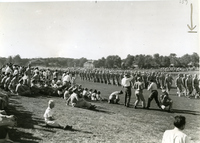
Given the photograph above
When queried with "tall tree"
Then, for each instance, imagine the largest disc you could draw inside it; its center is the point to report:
(113, 61)
(129, 60)
(17, 59)
(9, 59)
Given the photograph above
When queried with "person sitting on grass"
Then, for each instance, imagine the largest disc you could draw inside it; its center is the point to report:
(22, 89)
(49, 119)
(114, 97)
(5, 122)
(77, 101)
(94, 95)
(99, 98)
(85, 93)
(35, 88)
(176, 135)
(166, 101)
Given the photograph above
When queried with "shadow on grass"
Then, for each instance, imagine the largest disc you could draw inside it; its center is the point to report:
(73, 130)
(24, 121)
(103, 111)
(186, 112)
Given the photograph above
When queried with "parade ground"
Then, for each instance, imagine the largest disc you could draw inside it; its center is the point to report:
(110, 123)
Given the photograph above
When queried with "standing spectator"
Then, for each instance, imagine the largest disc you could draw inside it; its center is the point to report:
(126, 84)
(139, 86)
(154, 94)
(67, 79)
(176, 135)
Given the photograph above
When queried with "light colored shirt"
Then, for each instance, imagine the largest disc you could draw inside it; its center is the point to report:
(114, 95)
(174, 136)
(73, 98)
(152, 86)
(67, 78)
(139, 86)
(48, 113)
(126, 81)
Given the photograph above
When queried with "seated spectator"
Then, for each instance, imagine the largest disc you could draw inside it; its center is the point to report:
(13, 83)
(85, 93)
(3, 101)
(46, 89)
(166, 101)
(22, 89)
(49, 117)
(4, 79)
(114, 97)
(7, 82)
(94, 95)
(5, 122)
(98, 96)
(35, 89)
(77, 101)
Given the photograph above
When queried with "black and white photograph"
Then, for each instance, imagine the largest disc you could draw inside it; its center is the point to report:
(99, 71)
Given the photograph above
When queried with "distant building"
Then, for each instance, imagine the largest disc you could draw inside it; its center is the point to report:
(89, 64)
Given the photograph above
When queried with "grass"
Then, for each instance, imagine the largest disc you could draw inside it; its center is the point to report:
(110, 124)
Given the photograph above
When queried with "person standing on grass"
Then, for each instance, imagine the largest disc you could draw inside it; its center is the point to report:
(126, 84)
(49, 119)
(184, 84)
(154, 94)
(176, 135)
(195, 84)
(179, 83)
(189, 86)
(168, 83)
(139, 86)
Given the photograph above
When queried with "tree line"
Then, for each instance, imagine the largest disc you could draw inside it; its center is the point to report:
(112, 61)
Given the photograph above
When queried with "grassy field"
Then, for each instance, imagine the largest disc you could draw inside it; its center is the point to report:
(110, 124)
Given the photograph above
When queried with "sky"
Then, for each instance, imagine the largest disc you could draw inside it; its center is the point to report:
(96, 29)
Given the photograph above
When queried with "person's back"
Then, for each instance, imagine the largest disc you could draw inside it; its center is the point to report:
(176, 135)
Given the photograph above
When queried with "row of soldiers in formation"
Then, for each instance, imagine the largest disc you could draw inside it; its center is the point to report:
(185, 83)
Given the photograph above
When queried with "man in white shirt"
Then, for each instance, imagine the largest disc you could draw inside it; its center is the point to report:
(126, 84)
(67, 79)
(176, 135)
(154, 94)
